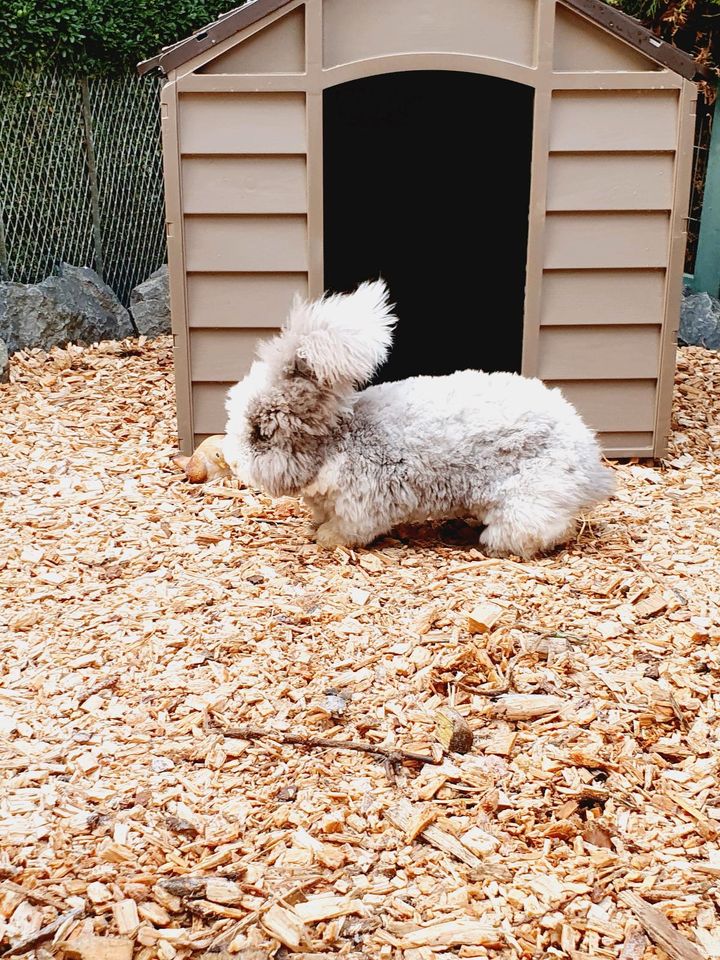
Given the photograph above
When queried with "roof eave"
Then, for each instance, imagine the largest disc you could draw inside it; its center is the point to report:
(597, 11)
(209, 36)
(630, 30)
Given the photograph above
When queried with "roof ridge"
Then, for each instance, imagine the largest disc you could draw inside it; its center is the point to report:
(622, 25)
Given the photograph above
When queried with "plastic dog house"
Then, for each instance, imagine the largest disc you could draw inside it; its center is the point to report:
(518, 171)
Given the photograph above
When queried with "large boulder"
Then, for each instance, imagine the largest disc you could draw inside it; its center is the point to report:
(150, 304)
(4, 363)
(73, 307)
(700, 321)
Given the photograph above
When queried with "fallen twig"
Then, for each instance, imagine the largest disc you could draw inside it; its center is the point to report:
(43, 934)
(323, 743)
(561, 634)
(34, 896)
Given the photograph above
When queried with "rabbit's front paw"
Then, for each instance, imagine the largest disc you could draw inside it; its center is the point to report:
(328, 535)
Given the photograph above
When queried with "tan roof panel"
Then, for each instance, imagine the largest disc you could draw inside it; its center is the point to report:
(599, 12)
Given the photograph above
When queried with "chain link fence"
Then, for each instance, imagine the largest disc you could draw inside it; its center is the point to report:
(701, 152)
(81, 177)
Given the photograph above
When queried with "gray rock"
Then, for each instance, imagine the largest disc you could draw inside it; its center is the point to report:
(150, 304)
(700, 321)
(74, 307)
(4, 363)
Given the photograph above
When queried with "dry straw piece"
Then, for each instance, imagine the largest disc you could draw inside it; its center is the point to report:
(149, 625)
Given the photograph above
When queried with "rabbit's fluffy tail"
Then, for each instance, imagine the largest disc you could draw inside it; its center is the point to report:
(339, 340)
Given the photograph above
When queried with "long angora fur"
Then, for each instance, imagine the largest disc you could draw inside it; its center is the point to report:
(496, 446)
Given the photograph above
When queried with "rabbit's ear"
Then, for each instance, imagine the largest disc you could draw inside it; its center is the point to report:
(180, 460)
(342, 339)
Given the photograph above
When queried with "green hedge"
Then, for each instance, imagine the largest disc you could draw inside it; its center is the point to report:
(108, 36)
(95, 36)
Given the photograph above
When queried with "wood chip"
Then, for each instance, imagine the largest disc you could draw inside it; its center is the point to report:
(484, 617)
(465, 931)
(126, 917)
(219, 890)
(650, 605)
(660, 930)
(44, 934)
(403, 815)
(99, 893)
(526, 706)
(453, 731)
(98, 948)
(286, 926)
(479, 841)
(170, 735)
(324, 907)
(420, 820)
(500, 742)
(634, 944)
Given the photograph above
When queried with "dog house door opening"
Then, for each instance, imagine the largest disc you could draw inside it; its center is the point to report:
(427, 184)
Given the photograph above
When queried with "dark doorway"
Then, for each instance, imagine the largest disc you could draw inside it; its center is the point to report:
(427, 184)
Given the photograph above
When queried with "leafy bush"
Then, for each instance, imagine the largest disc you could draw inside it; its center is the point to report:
(690, 24)
(95, 36)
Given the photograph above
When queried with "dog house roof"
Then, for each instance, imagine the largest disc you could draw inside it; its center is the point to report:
(609, 18)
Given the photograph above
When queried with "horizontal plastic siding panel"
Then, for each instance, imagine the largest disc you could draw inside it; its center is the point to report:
(613, 444)
(614, 406)
(209, 407)
(356, 30)
(602, 297)
(606, 240)
(253, 243)
(242, 299)
(598, 353)
(627, 444)
(222, 355)
(242, 123)
(581, 46)
(244, 184)
(609, 181)
(622, 412)
(614, 120)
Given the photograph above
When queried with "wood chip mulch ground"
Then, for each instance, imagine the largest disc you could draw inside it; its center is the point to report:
(169, 652)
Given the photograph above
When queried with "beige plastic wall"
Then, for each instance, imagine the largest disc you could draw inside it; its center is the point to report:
(242, 127)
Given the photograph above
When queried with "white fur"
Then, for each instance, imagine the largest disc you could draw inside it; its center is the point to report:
(499, 447)
(343, 338)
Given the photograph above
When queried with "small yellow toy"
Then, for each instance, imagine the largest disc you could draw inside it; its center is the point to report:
(207, 463)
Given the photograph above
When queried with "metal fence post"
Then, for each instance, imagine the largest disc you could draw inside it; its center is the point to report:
(707, 263)
(92, 175)
(4, 260)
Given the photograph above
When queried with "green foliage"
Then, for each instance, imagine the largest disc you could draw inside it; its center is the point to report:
(653, 9)
(95, 36)
(690, 24)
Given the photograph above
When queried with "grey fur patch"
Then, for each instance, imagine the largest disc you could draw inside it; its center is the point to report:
(289, 428)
